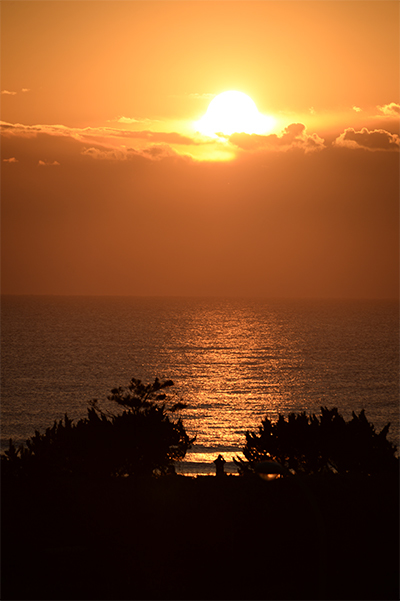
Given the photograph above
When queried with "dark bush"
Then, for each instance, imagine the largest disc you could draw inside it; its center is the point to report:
(141, 440)
(311, 443)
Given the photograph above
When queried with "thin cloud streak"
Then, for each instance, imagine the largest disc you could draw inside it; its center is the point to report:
(96, 133)
(48, 163)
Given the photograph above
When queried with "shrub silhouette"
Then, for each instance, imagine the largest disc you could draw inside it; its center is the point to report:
(311, 444)
(140, 441)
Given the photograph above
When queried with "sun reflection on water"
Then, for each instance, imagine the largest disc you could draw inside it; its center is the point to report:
(239, 366)
(233, 361)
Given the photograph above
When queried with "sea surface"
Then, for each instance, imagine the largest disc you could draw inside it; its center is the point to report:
(233, 361)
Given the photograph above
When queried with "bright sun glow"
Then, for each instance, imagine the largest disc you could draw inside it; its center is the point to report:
(232, 112)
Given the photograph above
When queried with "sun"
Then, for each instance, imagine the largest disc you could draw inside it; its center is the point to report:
(232, 112)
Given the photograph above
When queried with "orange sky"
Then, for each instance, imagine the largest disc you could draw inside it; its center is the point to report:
(107, 187)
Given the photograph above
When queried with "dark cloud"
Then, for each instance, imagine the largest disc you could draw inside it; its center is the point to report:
(104, 153)
(59, 141)
(154, 136)
(378, 139)
(153, 152)
(18, 129)
(158, 151)
(293, 136)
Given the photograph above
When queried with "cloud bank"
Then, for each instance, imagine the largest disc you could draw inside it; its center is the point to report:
(378, 139)
(108, 143)
(115, 220)
(293, 136)
(99, 133)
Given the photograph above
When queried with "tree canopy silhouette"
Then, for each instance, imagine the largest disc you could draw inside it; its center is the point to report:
(310, 444)
(141, 440)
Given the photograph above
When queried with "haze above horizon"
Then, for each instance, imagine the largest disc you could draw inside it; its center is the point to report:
(108, 187)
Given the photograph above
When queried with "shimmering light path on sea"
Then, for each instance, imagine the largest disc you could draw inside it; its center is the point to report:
(232, 360)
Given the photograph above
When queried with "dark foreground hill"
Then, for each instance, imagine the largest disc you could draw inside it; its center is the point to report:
(325, 537)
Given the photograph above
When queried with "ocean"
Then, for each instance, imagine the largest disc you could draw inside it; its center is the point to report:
(233, 361)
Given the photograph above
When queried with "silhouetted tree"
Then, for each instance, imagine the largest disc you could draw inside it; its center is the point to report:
(141, 440)
(311, 444)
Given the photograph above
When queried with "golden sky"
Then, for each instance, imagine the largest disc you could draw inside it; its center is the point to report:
(109, 187)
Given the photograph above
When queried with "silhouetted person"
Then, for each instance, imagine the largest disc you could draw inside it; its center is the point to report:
(171, 471)
(219, 466)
